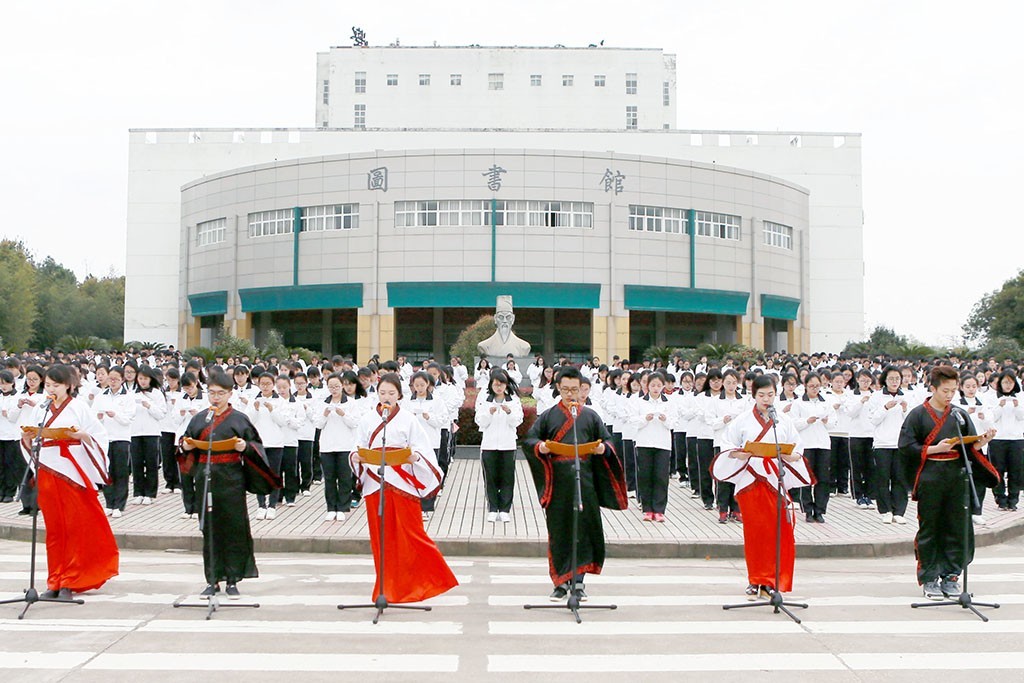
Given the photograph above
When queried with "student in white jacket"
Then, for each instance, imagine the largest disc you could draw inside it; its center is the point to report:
(888, 408)
(306, 400)
(812, 416)
(654, 417)
(115, 409)
(337, 418)
(268, 415)
(150, 410)
(192, 401)
(294, 416)
(720, 411)
(12, 464)
(433, 415)
(981, 417)
(498, 416)
(168, 446)
(1006, 450)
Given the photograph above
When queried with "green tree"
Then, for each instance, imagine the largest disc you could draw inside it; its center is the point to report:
(99, 307)
(18, 292)
(882, 340)
(467, 341)
(57, 303)
(999, 313)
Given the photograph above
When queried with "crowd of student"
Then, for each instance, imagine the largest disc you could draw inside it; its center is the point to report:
(666, 420)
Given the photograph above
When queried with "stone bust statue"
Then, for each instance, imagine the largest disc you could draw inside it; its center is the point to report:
(504, 341)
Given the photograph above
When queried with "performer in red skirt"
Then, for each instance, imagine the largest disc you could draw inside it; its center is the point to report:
(757, 482)
(80, 550)
(414, 570)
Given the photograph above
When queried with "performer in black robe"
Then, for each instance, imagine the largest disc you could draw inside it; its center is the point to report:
(937, 469)
(602, 484)
(227, 538)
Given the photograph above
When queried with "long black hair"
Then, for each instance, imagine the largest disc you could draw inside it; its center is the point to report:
(511, 388)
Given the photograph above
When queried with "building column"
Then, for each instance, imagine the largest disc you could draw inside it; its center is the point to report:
(326, 332)
(793, 337)
(364, 337)
(192, 332)
(439, 352)
(242, 327)
(756, 336)
(386, 336)
(618, 333)
(599, 325)
(549, 334)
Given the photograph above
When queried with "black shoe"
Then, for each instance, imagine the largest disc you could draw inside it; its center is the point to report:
(950, 586)
(211, 590)
(752, 590)
(810, 518)
(560, 593)
(819, 517)
(709, 506)
(64, 594)
(24, 512)
(49, 594)
(7, 499)
(232, 592)
(581, 594)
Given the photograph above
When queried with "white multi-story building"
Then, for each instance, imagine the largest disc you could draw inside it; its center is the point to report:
(667, 236)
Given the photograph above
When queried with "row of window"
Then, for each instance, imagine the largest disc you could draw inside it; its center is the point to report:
(496, 81)
(477, 212)
(709, 224)
(359, 117)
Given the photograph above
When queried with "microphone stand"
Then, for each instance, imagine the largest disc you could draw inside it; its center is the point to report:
(381, 602)
(214, 602)
(776, 601)
(965, 599)
(32, 595)
(573, 603)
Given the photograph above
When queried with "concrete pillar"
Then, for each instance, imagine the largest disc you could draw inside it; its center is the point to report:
(364, 342)
(620, 346)
(440, 353)
(386, 338)
(757, 336)
(242, 327)
(326, 332)
(599, 328)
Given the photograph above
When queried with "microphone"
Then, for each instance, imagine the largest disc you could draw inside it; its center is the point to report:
(209, 415)
(574, 408)
(385, 409)
(772, 415)
(959, 417)
(48, 404)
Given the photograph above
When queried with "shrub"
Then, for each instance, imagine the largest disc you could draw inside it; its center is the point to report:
(229, 345)
(467, 341)
(305, 354)
(274, 346)
(199, 352)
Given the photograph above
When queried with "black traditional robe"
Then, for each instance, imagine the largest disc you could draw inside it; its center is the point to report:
(939, 490)
(602, 484)
(227, 538)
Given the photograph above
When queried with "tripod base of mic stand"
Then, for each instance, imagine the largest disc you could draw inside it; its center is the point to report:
(574, 605)
(776, 601)
(213, 605)
(32, 596)
(964, 600)
(381, 604)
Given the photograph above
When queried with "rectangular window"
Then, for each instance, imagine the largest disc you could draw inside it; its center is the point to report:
(778, 235)
(495, 81)
(567, 80)
(631, 117)
(718, 225)
(331, 217)
(666, 93)
(211, 232)
(266, 223)
(657, 219)
(455, 79)
(455, 213)
(360, 81)
(359, 120)
(535, 79)
(424, 79)
(630, 84)
(327, 92)
(392, 79)
(599, 81)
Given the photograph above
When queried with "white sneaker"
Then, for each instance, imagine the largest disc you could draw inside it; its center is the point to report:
(632, 494)
(176, 491)
(291, 505)
(137, 500)
(425, 516)
(341, 516)
(184, 515)
(109, 512)
(116, 514)
(886, 518)
(271, 513)
(261, 513)
(980, 520)
(147, 501)
(307, 493)
(504, 517)
(492, 517)
(330, 516)
(168, 490)
(899, 519)
(195, 515)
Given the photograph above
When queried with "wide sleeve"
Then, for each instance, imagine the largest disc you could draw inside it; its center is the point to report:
(912, 436)
(426, 470)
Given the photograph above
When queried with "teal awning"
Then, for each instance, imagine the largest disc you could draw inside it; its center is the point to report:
(780, 307)
(301, 297)
(208, 303)
(483, 294)
(685, 300)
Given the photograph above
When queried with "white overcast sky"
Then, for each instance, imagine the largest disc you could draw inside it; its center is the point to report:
(935, 87)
